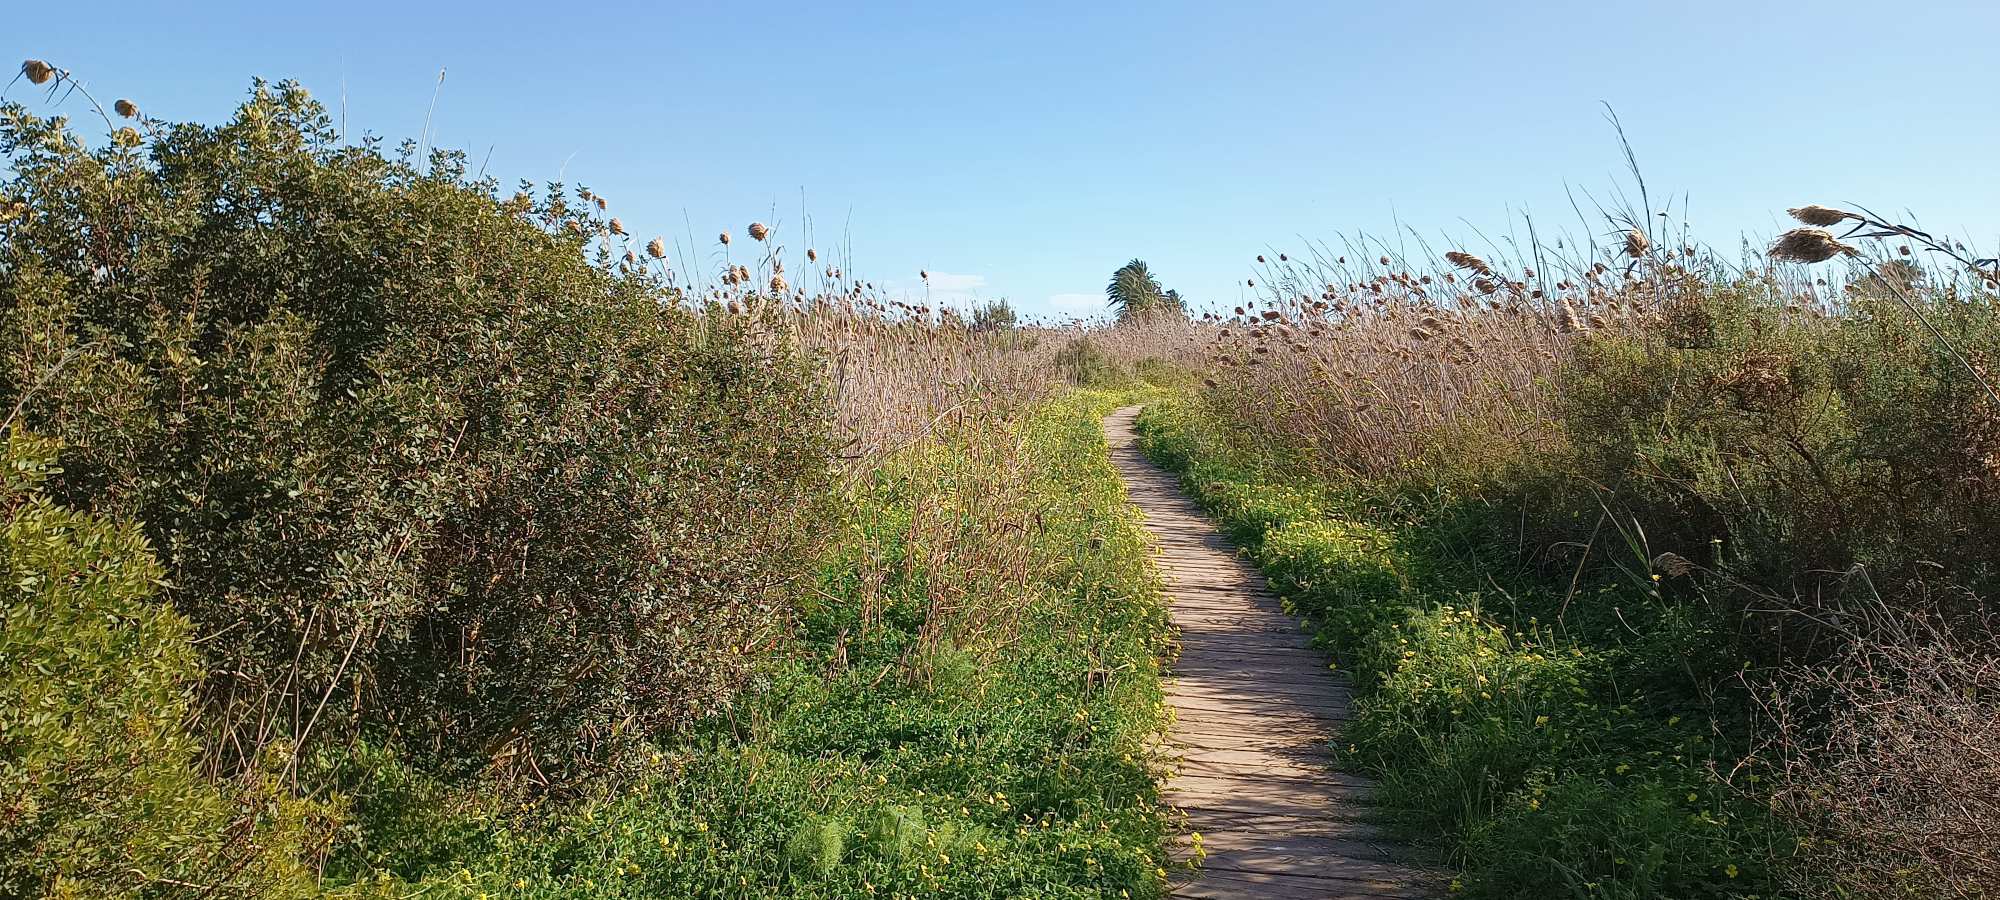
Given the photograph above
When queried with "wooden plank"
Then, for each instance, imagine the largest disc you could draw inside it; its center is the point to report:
(1222, 883)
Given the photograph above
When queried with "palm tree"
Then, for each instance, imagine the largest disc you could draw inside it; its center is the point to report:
(1134, 290)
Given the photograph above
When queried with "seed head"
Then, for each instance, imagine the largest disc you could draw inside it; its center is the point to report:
(1815, 214)
(1672, 564)
(656, 248)
(126, 108)
(1809, 245)
(1636, 243)
(38, 72)
(758, 232)
(617, 227)
(1465, 260)
(1570, 321)
(778, 286)
(812, 255)
(725, 238)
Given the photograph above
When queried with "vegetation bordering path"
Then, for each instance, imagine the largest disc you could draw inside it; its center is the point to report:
(1581, 760)
(933, 735)
(447, 541)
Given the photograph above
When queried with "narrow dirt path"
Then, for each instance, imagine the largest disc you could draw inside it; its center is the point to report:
(1255, 709)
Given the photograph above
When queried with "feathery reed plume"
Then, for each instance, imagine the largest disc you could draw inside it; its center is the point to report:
(656, 248)
(757, 231)
(1809, 245)
(617, 227)
(1465, 260)
(1636, 243)
(1815, 214)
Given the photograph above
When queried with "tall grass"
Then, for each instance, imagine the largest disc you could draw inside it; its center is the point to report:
(1793, 451)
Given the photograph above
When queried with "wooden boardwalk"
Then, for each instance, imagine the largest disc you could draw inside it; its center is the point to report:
(1255, 709)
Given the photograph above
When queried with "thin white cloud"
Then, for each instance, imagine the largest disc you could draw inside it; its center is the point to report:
(950, 283)
(1076, 304)
(943, 289)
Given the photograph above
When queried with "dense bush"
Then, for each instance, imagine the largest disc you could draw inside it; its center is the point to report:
(931, 735)
(99, 794)
(413, 460)
(1787, 448)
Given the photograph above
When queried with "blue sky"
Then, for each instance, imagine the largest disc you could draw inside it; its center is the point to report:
(1024, 151)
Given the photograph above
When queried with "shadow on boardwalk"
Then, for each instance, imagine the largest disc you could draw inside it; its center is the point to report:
(1255, 708)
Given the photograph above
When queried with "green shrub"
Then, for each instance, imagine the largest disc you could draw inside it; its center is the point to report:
(1345, 576)
(817, 847)
(894, 831)
(1087, 365)
(997, 315)
(1787, 449)
(1003, 750)
(416, 459)
(1658, 834)
(99, 790)
(1251, 509)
